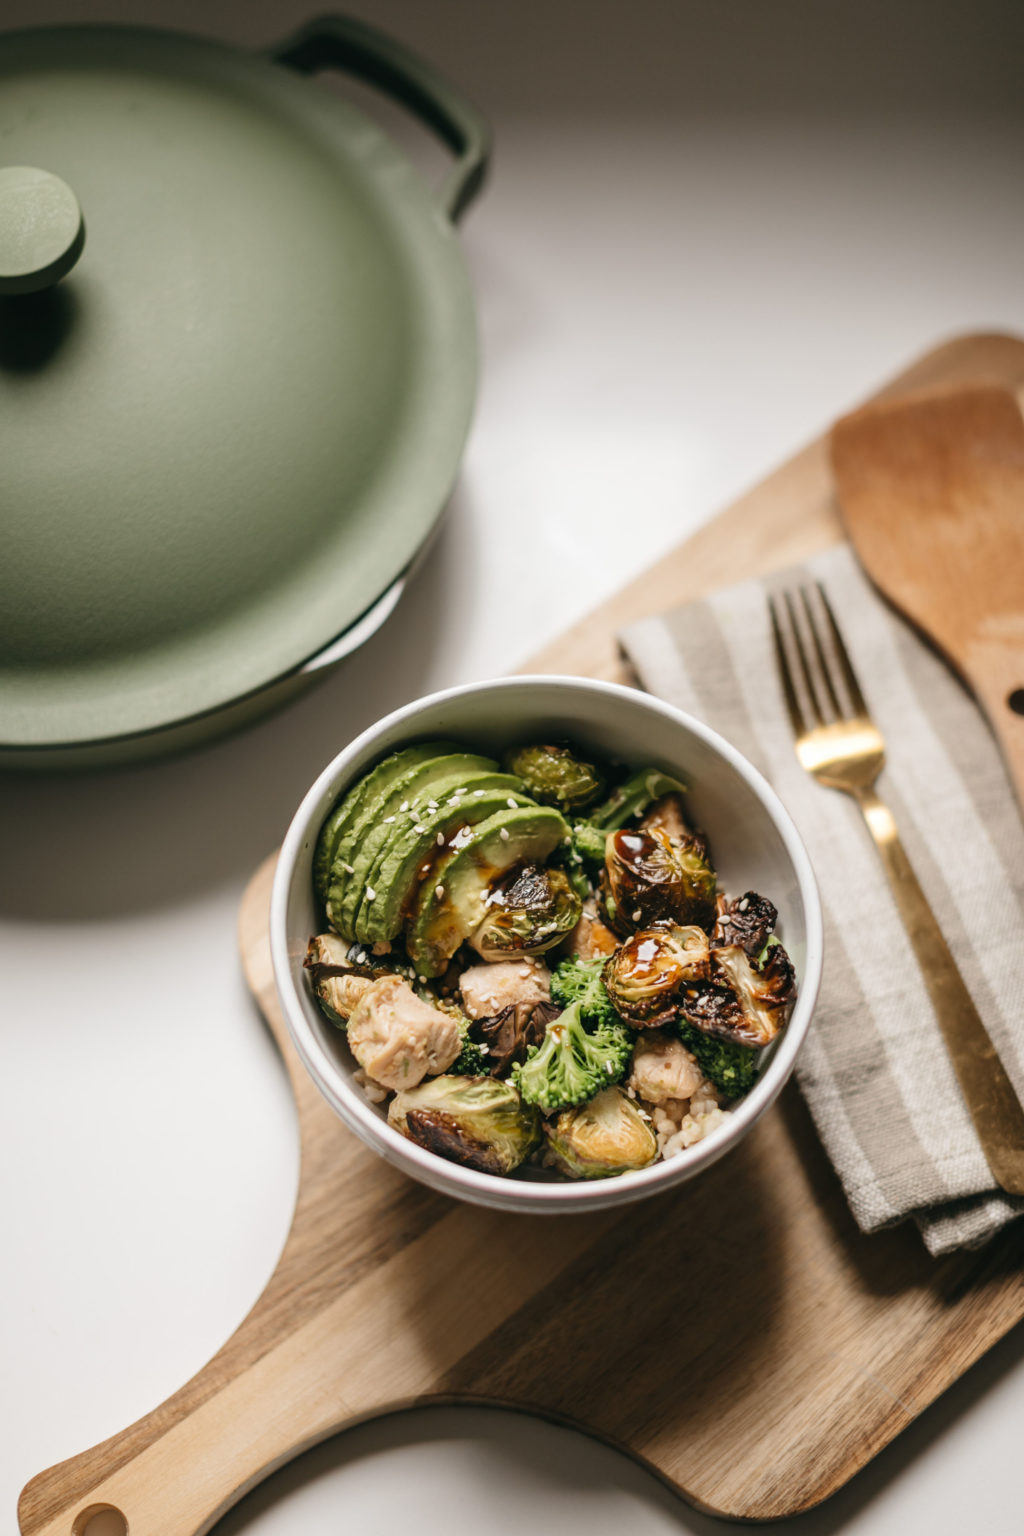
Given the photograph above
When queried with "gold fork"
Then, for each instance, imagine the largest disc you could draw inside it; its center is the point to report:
(843, 748)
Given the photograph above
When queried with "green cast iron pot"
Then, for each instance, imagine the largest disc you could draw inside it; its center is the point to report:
(237, 370)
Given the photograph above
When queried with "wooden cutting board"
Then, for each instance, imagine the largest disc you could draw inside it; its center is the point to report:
(931, 489)
(737, 1335)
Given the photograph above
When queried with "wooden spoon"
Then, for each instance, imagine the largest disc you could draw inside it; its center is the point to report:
(932, 492)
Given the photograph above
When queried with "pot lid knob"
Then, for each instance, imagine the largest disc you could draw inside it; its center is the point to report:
(42, 231)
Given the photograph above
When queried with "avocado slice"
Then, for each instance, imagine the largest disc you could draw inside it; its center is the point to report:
(380, 816)
(439, 924)
(409, 855)
(347, 808)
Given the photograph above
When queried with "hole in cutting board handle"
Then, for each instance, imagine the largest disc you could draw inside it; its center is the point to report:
(1016, 701)
(100, 1520)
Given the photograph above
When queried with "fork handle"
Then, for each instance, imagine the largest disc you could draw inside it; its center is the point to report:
(994, 1107)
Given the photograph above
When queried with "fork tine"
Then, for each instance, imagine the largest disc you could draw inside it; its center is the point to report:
(805, 668)
(823, 662)
(849, 675)
(792, 702)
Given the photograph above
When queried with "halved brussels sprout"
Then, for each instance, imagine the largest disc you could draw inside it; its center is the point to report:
(647, 971)
(605, 1136)
(763, 995)
(747, 921)
(528, 911)
(337, 977)
(556, 776)
(476, 1121)
(508, 1035)
(650, 879)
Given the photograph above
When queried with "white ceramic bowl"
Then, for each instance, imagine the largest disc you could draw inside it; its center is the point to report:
(753, 842)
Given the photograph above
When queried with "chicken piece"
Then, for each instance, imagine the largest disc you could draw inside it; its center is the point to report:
(663, 1068)
(591, 939)
(398, 1038)
(487, 989)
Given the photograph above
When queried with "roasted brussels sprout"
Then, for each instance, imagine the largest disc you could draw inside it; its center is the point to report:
(645, 975)
(339, 973)
(649, 879)
(556, 776)
(506, 1037)
(764, 993)
(741, 1003)
(476, 1121)
(528, 910)
(606, 1136)
(748, 921)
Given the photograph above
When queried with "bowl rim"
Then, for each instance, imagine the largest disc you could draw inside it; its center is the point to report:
(352, 1106)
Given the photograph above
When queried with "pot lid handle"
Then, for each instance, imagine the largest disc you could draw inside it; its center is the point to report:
(342, 42)
(42, 232)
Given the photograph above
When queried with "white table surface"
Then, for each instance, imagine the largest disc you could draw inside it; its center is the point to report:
(708, 233)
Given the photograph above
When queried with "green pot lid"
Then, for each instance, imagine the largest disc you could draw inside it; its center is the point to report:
(229, 420)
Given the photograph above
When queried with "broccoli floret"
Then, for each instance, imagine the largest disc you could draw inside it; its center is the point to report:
(583, 856)
(588, 844)
(470, 1062)
(579, 981)
(732, 1068)
(585, 1049)
(472, 1058)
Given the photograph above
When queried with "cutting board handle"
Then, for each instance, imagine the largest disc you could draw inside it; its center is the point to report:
(178, 1470)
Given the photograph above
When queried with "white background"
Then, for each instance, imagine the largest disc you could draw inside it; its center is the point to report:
(711, 228)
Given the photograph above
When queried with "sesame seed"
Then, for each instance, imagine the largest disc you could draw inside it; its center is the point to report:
(478, 793)
(370, 894)
(743, 905)
(511, 803)
(503, 834)
(454, 800)
(637, 915)
(431, 805)
(440, 839)
(388, 820)
(419, 828)
(422, 980)
(404, 805)
(439, 891)
(350, 869)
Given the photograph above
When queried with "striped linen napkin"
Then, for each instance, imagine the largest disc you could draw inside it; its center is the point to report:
(873, 1068)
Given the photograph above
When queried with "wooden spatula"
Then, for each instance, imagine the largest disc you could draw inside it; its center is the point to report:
(932, 492)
